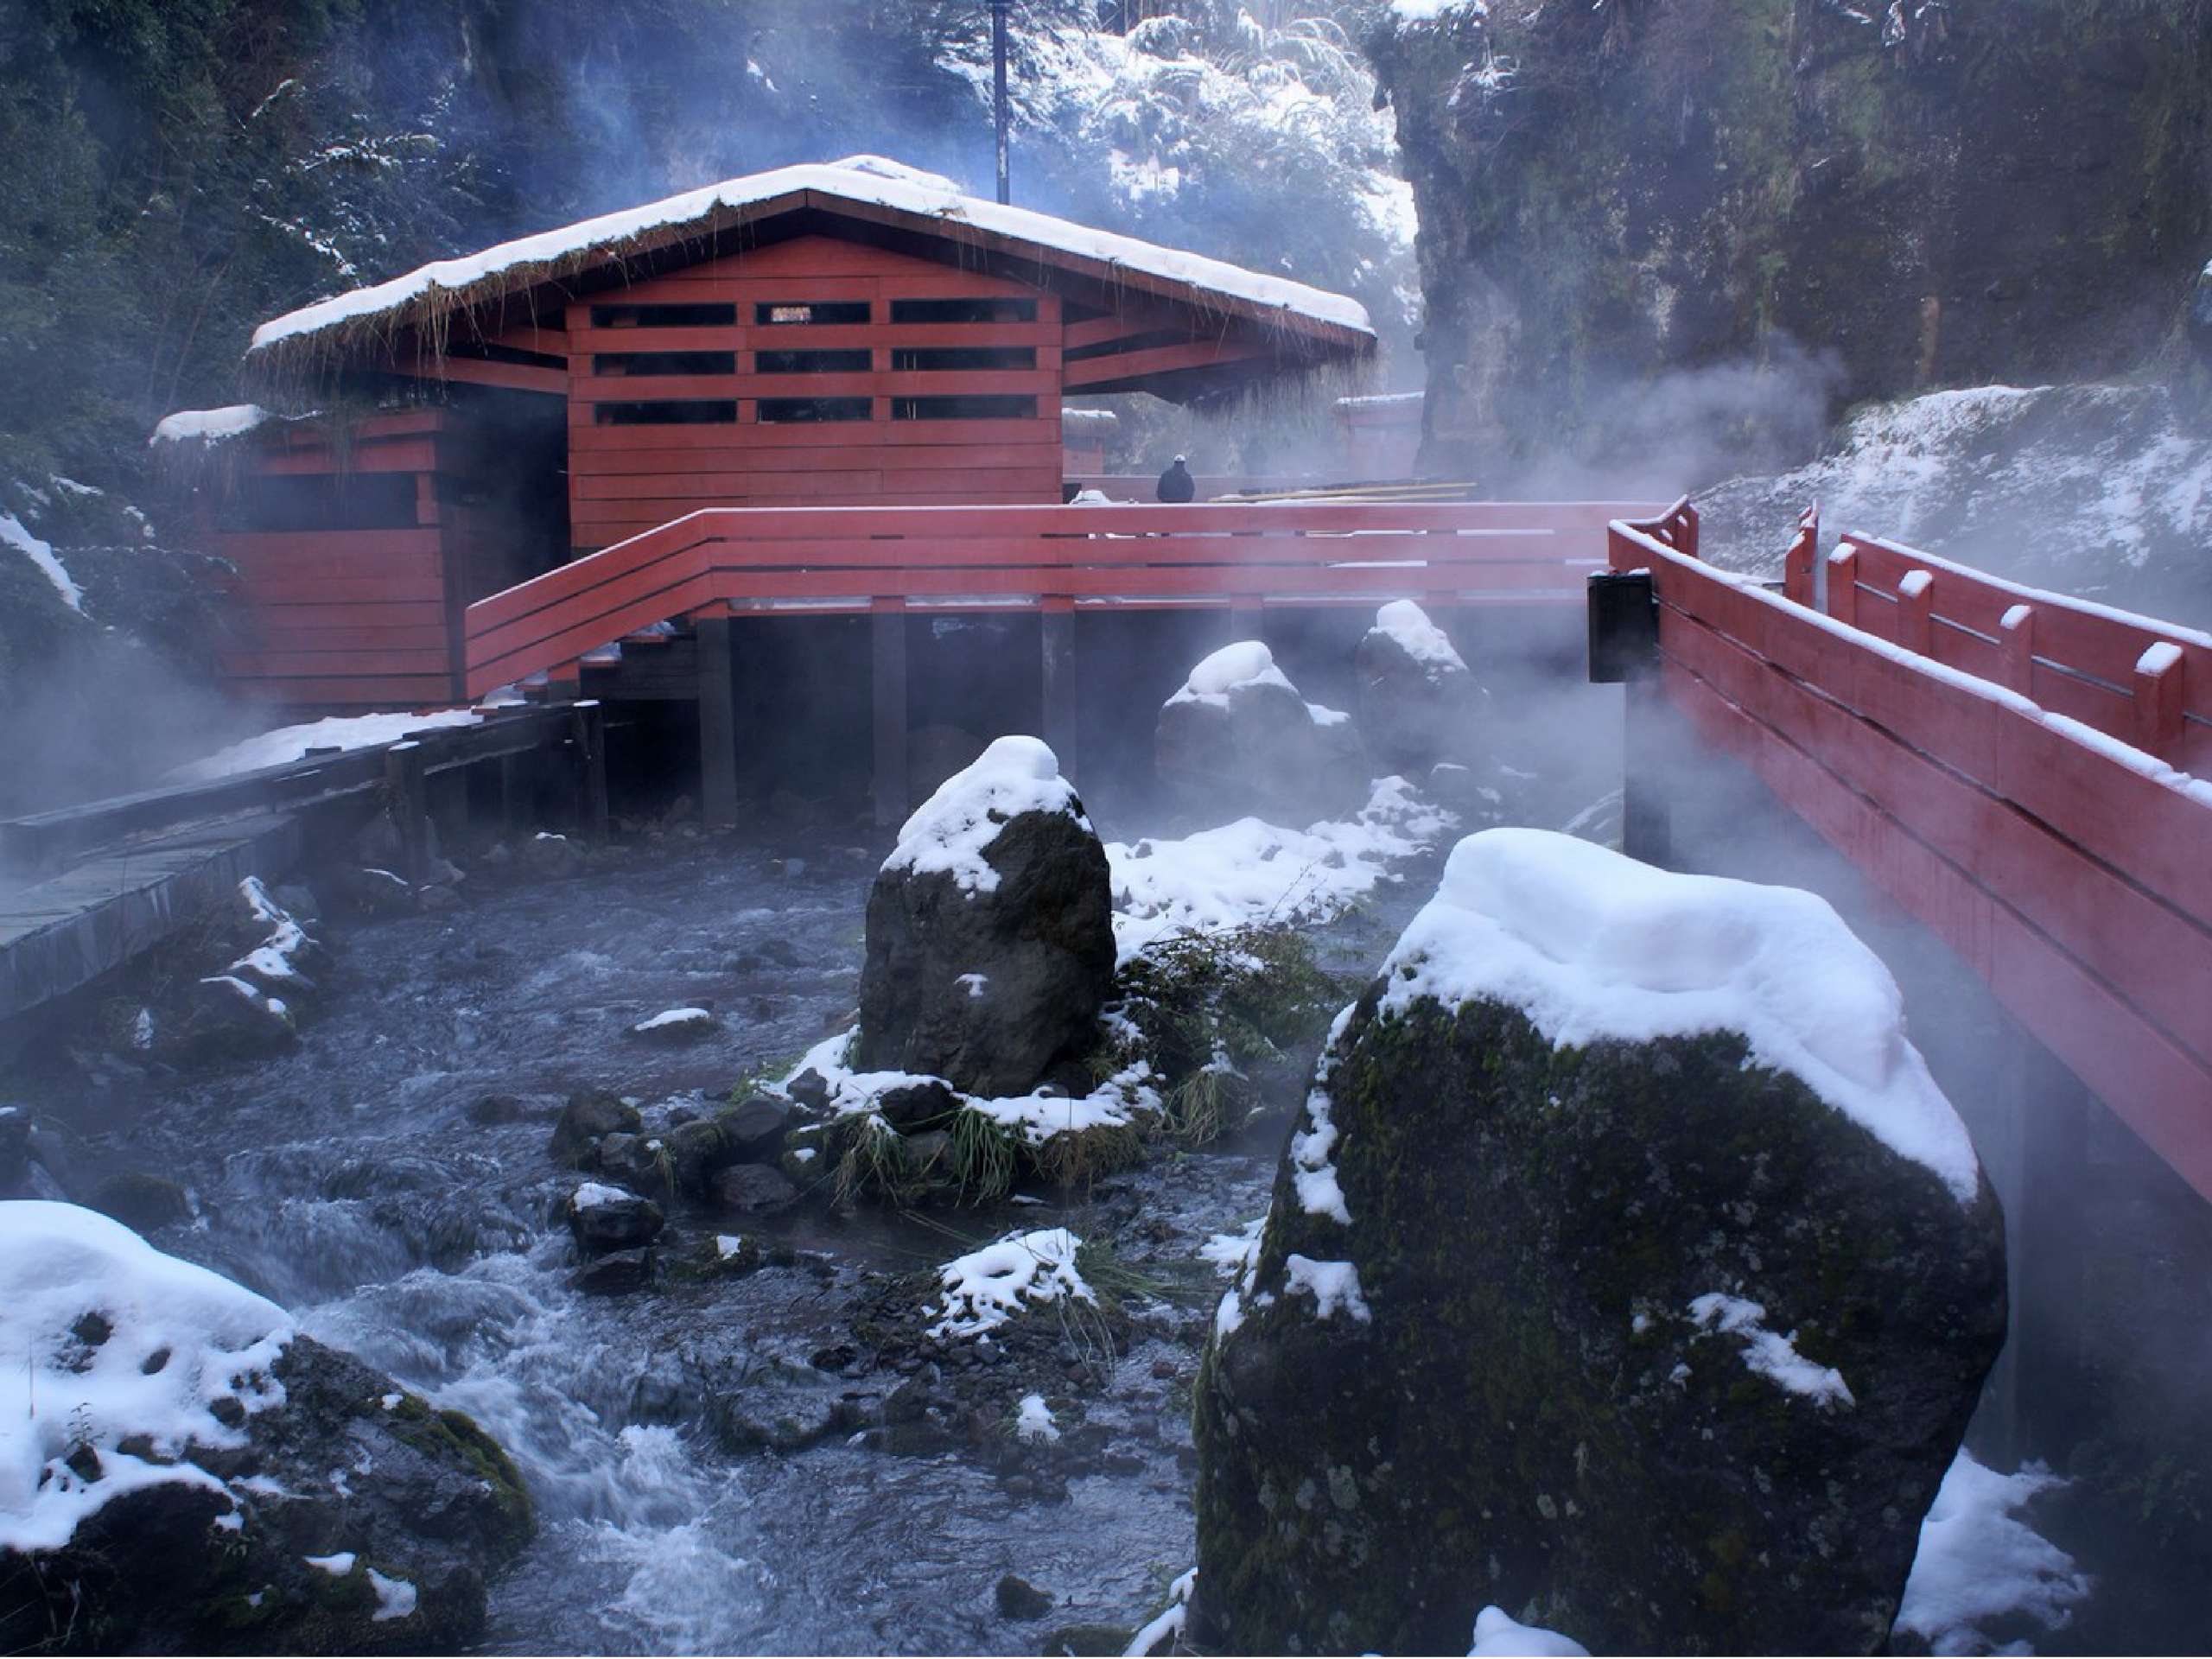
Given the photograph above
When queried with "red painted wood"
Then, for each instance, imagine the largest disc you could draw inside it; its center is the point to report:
(1093, 371)
(2155, 1086)
(508, 377)
(1152, 555)
(2075, 883)
(1797, 562)
(2113, 927)
(352, 691)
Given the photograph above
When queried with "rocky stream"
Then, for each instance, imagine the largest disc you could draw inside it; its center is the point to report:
(758, 1462)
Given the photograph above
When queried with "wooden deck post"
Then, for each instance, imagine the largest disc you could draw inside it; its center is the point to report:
(1916, 612)
(1843, 585)
(2161, 704)
(888, 644)
(717, 723)
(407, 787)
(587, 740)
(1056, 628)
(2016, 637)
(1624, 651)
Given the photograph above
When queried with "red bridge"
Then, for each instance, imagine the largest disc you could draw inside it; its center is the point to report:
(2010, 766)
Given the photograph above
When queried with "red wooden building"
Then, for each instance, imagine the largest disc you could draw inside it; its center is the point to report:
(855, 334)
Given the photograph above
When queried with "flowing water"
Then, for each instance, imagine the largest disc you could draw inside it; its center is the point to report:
(349, 1180)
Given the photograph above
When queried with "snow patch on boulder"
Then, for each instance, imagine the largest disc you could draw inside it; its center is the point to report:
(1420, 639)
(1978, 1560)
(1591, 945)
(950, 830)
(1498, 1636)
(110, 1339)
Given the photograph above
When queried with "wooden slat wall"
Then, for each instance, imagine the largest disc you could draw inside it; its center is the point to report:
(626, 479)
(349, 618)
(2072, 878)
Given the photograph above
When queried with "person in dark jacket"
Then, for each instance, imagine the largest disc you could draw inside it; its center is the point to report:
(1175, 483)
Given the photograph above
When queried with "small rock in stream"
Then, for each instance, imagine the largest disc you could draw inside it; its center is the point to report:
(753, 1189)
(618, 1271)
(607, 1218)
(1018, 1598)
(586, 1119)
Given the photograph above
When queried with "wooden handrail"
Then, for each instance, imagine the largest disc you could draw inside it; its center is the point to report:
(2064, 863)
(795, 558)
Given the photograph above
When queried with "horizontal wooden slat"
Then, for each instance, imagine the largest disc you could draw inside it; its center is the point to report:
(746, 336)
(2115, 928)
(275, 546)
(735, 464)
(267, 665)
(587, 439)
(382, 588)
(424, 613)
(267, 632)
(2156, 1087)
(363, 691)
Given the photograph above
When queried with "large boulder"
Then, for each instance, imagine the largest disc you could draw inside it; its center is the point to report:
(1240, 738)
(1627, 1272)
(990, 937)
(223, 1483)
(1418, 703)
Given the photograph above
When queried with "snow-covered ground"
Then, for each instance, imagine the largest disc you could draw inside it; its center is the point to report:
(285, 744)
(2098, 491)
(1253, 871)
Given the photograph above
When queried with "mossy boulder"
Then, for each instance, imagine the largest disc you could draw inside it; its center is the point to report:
(990, 934)
(1543, 1389)
(428, 1508)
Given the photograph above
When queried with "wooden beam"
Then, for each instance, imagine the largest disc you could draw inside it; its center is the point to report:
(717, 723)
(889, 691)
(1097, 372)
(1061, 704)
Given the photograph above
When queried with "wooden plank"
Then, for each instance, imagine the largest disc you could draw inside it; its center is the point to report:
(597, 469)
(746, 336)
(382, 691)
(277, 665)
(266, 632)
(585, 439)
(1098, 371)
(337, 544)
(339, 590)
(369, 615)
(406, 454)
(507, 377)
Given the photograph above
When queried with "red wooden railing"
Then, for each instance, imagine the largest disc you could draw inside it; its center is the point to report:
(1972, 746)
(812, 559)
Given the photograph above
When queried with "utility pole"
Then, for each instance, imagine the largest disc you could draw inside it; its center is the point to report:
(998, 92)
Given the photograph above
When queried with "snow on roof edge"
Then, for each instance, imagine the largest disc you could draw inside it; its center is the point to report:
(914, 193)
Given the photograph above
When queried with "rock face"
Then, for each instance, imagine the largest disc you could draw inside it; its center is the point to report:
(1638, 1336)
(1916, 194)
(1239, 738)
(1418, 703)
(250, 1544)
(990, 942)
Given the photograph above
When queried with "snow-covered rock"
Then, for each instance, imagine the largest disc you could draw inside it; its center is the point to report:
(985, 1288)
(998, 881)
(169, 1474)
(1624, 1249)
(1238, 739)
(1418, 703)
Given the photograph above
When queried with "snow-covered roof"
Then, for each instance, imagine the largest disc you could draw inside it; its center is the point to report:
(210, 425)
(866, 181)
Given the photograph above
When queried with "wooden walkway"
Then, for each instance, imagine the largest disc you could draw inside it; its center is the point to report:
(2023, 772)
(809, 561)
(58, 935)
